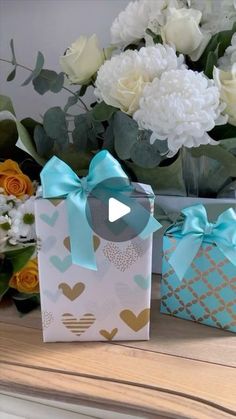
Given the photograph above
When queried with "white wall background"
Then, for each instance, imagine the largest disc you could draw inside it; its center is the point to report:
(49, 26)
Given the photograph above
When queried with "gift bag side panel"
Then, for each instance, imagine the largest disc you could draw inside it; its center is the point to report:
(207, 293)
(112, 303)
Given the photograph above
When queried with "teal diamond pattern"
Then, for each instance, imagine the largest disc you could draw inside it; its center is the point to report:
(207, 294)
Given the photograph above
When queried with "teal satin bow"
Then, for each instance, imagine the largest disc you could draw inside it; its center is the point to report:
(59, 181)
(195, 229)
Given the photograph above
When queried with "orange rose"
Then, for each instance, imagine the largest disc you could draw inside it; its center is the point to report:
(9, 167)
(17, 185)
(26, 280)
(13, 181)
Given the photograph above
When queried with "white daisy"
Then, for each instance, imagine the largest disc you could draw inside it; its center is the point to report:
(23, 221)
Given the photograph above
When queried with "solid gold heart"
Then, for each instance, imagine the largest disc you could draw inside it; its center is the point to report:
(108, 335)
(78, 326)
(135, 323)
(74, 292)
(55, 201)
(96, 243)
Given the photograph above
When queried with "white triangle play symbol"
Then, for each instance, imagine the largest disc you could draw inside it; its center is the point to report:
(116, 209)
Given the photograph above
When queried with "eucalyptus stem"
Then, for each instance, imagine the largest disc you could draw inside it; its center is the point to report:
(64, 88)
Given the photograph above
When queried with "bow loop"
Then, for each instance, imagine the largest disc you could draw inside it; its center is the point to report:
(59, 181)
(195, 229)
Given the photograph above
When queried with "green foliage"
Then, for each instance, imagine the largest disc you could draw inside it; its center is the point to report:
(162, 178)
(108, 140)
(48, 80)
(11, 75)
(87, 132)
(145, 155)
(125, 131)
(44, 144)
(213, 51)
(6, 104)
(5, 275)
(157, 39)
(38, 67)
(27, 143)
(55, 125)
(19, 257)
(71, 101)
(218, 153)
(77, 160)
(13, 60)
(222, 132)
(103, 112)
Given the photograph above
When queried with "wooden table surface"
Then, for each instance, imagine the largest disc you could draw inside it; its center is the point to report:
(186, 370)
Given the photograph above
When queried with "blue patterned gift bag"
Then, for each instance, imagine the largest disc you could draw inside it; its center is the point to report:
(199, 269)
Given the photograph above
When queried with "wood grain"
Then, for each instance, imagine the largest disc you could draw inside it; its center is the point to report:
(186, 370)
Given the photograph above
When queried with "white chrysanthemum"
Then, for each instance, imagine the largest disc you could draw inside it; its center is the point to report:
(180, 107)
(229, 59)
(121, 80)
(131, 24)
(23, 221)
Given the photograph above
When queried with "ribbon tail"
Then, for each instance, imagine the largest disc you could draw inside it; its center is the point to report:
(152, 226)
(184, 254)
(81, 235)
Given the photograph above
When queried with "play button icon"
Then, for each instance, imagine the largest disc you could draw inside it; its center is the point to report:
(116, 210)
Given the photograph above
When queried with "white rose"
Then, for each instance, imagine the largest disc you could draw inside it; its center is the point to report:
(83, 58)
(226, 82)
(182, 30)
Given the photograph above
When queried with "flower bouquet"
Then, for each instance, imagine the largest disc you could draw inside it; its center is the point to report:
(18, 263)
(164, 98)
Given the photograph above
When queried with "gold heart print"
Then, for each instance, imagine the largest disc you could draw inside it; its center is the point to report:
(96, 243)
(55, 201)
(135, 323)
(78, 326)
(122, 259)
(74, 292)
(108, 335)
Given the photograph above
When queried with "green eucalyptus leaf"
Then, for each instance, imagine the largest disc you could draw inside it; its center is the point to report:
(80, 133)
(71, 101)
(13, 52)
(103, 112)
(125, 131)
(77, 160)
(44, 144)
(108, 142)
(55, 125)
(38, 67)
(20, 257)
(144, 155)
(11, 75)
(48, 80)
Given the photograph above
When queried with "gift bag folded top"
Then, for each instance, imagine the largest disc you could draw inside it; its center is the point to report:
(199, 268)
